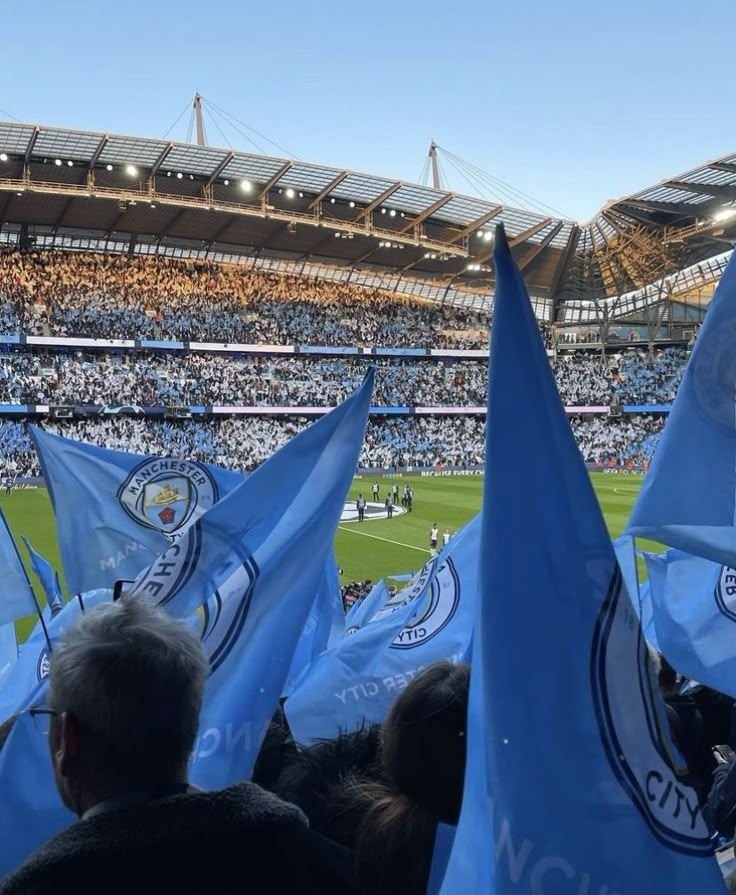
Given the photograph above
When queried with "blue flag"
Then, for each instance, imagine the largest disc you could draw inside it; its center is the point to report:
(694, 606)
(32, 667)
(264, 549)
(8, 652)
(688, 498)
(325, 624)
(357, 680)
(579, 794)
(31, 811)
(17, 598)
(362, 612)
(116, 512)
(48, 578)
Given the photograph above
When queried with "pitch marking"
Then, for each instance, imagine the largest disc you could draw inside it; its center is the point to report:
(387, 540)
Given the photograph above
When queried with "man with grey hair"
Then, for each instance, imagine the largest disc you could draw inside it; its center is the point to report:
(125, 691)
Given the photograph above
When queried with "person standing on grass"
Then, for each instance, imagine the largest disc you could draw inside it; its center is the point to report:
(375, 490)
(389, 507)
(434, 534)
(409, 499)
(395, 493)
(360, 504)
(446, 537)
(405, 495)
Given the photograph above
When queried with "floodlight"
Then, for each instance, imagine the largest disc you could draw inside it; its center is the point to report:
(131, 170)
(290, 193)
(3, 156)
(246, 186)
(57, 162)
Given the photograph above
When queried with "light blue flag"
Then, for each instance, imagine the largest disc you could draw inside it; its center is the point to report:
(264, 548)
(17, 598)
(565, 721)
(116, 512)
(32, 667)
(48, 578)
(31, 811)
(362, 612)
(357, 681)
(688, 498)
(8, 652)
(325, 625)
(694, 606)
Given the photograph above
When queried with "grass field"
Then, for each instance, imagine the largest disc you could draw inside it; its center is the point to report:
(372, 549)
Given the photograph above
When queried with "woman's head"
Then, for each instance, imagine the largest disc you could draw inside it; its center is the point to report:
(423, 749)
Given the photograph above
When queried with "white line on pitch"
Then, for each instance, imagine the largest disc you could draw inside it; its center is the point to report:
(387, 540)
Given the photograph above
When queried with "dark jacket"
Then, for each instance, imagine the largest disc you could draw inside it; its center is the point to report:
(240, 839)
(721, 807)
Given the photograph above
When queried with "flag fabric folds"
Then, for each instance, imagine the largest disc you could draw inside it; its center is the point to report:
(31, 811)
(325, 624)
(32, 666)
(362, 612)
(17, 598)
(568, 774)
(688, 498)
(48, 578)
(264, 549)
(8, 652)
(694, 609)
(115, 511)
(357, 680)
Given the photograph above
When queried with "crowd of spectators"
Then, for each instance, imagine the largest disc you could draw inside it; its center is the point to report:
(121, 296)
(243, 443)
(169, 378)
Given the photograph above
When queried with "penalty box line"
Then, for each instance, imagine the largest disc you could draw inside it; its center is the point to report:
(387, 540)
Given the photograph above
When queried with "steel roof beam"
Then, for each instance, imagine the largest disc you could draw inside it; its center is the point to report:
(272, 181)
(379, 200)
(220, 230)
(160, 160)
(323, 194)
(515, 240)
(67, 206)
(219, 169)
(427, 213)
(679, 209)
(716, 190)
(728, 167)
(476, 224)
(31, 144)
(98, 152)
(540, 247)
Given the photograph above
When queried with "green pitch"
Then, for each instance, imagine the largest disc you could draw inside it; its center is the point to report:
(371, 549)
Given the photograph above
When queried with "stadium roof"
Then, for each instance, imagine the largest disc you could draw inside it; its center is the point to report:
(130, 192)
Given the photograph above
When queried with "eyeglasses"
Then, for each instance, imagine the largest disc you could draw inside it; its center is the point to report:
(42, 718)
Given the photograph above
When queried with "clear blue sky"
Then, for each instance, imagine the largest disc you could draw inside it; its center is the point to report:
(571, 102)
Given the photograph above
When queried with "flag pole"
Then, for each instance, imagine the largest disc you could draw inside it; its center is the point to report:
(40, 616)
(81, 602)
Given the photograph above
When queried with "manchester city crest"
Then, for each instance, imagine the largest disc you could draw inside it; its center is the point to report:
(42, 668)
(624, 691)
(167, 494)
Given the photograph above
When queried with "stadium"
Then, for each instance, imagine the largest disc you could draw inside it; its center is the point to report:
(179, 321)
(187, 300)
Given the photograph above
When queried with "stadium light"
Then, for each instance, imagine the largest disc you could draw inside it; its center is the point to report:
(246, 186)
(301, 194)
(351, 204)
(153, 204)
(226, 182)
(168, 173)
(179, 175)
(725, 215)
(392, 213)
(290, 193)
(332, 200)
(57, 162)
(109, 167)
(488, 235)
(383, 211)
(3, 156)
(70, 163)
(131, 170)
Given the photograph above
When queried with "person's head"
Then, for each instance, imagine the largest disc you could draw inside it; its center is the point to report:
(423, 765)
(125, 687)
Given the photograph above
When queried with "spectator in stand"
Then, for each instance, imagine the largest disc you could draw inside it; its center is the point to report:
(125, 691)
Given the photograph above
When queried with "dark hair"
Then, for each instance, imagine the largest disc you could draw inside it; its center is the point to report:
(277, 749)
(423, 763)
(320, 780)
